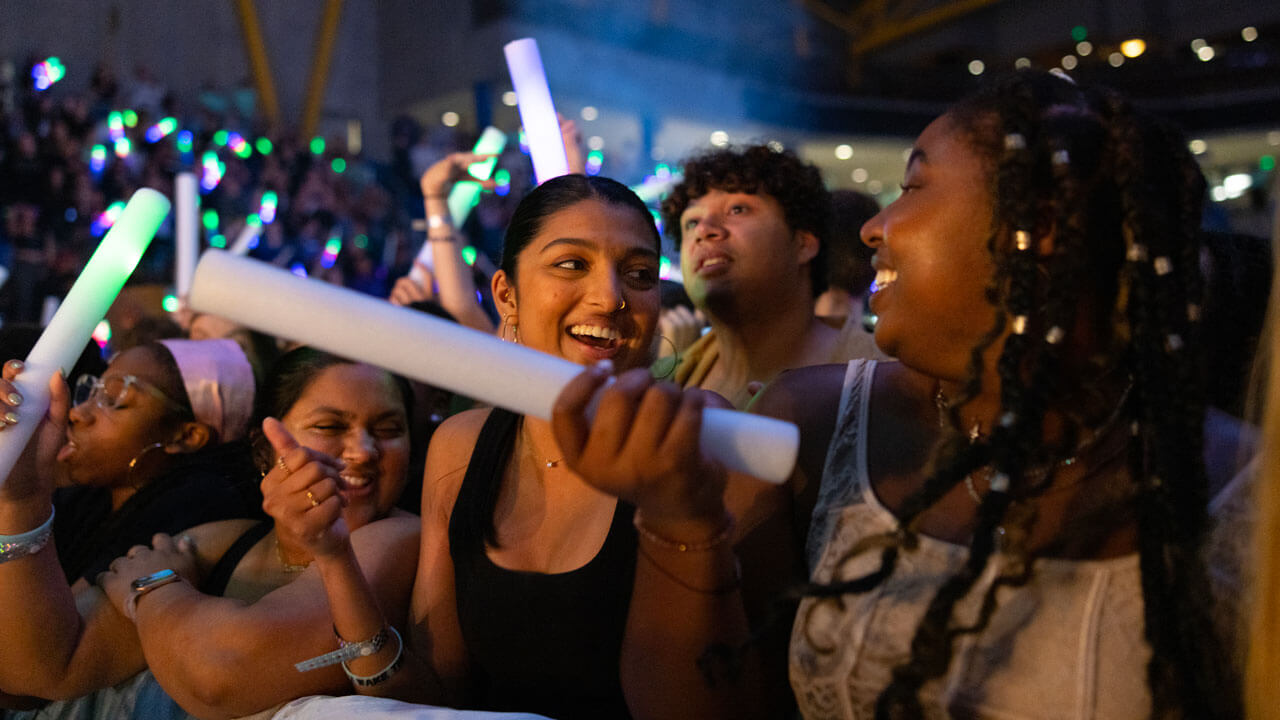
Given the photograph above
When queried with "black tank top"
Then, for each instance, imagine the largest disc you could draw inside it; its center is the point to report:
(543, 643)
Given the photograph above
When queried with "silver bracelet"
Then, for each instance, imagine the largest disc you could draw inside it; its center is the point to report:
(28, 543)
(346, 651)
(383, 674)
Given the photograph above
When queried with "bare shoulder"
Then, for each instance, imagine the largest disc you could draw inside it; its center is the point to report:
(391, 542)
(803, 395)
(212, 540)
(447, 458)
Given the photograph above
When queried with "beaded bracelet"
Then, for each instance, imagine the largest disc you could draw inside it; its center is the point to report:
(28, 543)
(383, 674)
(725, 534)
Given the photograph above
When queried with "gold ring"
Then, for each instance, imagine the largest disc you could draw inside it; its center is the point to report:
(312, 498)
(281, 464)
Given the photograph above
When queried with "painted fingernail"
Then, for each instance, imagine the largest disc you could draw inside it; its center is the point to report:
(11, 418)
(14, 399)
(605, 366)
(15, 364)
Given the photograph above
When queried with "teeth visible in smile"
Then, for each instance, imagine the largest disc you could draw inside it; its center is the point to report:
(355, 481)
(595, 331)
(885, 278)
(713, 261)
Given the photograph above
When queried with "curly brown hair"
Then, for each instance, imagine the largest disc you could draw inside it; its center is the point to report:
(758, 170)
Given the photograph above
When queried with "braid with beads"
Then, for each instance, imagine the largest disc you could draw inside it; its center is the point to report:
(1120, 196)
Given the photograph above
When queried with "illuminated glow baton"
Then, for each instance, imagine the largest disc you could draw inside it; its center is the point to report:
(464, 195)
(446, 355)
(186, 203)
(92, 294)
(537, 113)
(245, 240)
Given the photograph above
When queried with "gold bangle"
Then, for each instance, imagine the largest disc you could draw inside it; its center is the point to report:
(724, 535)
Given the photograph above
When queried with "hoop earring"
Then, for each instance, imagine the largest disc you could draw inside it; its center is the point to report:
(623, 306)
(662, 371)
(134, 462)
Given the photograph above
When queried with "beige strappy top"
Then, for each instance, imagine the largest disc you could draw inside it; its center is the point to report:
(1068, 645)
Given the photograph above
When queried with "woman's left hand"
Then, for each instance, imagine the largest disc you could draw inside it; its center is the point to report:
(166, 552)
(642, 445)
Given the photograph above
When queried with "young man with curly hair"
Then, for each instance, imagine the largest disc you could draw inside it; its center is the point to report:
(751, 225)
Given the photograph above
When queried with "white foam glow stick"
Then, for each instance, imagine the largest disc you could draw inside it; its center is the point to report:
(4, 275)
(463, 196)
(86, 304)
(537, 112)
(444, 354)
(186, 191)
(252, 229)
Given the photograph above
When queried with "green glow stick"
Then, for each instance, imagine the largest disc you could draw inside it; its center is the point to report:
(85, 305)
(466, 194)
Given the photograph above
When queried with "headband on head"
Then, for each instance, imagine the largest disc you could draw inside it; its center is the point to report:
(219, 383)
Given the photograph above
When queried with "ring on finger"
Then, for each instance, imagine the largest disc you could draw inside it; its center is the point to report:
(312, 498)
(280, 463)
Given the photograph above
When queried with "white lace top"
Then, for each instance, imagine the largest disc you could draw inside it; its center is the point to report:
(1067, 645)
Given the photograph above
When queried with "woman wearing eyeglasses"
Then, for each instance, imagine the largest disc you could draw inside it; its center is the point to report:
(154, 445)
(222, 613)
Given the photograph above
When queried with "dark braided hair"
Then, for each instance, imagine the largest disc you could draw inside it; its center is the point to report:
(1119, 195)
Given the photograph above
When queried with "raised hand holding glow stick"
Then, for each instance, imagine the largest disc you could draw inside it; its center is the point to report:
(465, 193)
(445, 355)
(537, 112)
(186, 193)
(85, 305)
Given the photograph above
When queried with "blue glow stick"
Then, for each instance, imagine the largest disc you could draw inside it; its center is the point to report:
(537, 112)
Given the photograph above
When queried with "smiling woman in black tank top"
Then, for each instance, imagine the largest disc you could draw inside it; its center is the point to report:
(525, 571)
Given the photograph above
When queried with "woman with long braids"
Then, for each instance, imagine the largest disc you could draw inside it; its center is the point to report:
(1009, 519)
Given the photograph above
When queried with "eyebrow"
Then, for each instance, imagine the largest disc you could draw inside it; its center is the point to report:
(326, 410)
(917, 155)
(591, 245)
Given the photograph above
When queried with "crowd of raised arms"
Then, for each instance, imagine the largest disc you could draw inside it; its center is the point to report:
(1021, 489)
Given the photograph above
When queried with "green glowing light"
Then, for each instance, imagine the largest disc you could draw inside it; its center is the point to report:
(362, 241)
(244, 151)
(102, 333)
(114, 120)
(254, 220)
(1267, 163)
(595, 156)
(184, 142)
(502, 177)
(662, 169)
(339, 165)
(333, 246)
(218, 241)
(170, 303)
(1079, 33)
(664, 267)
(210, 219)
(317, 145)
(263, 145)
(130, 118)
(220, 138)
(469, 255)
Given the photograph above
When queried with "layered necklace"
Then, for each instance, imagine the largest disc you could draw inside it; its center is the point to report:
(1038, 474)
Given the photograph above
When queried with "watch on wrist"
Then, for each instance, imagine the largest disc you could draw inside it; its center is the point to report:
(145, 584)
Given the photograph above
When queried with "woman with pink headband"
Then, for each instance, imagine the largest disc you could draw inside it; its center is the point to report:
(222, 612)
